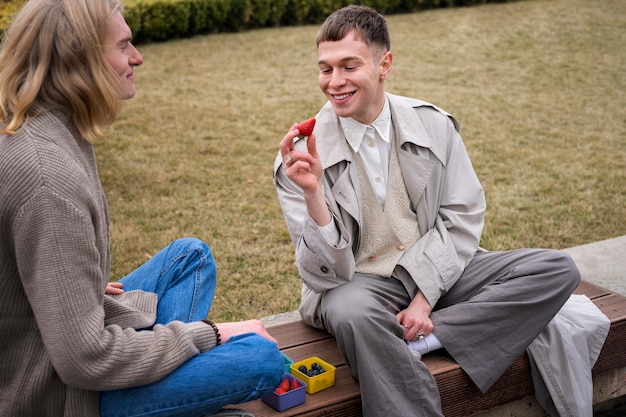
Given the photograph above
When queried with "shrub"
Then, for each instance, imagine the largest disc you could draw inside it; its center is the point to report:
(159, 20)
(207, 15)
(266, 12)
(165, 19)
(295, 12)
(133, 10)
(238, 15)
(277, 10)
(7, 10)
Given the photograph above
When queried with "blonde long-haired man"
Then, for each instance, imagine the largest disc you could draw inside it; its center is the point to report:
(74, 344)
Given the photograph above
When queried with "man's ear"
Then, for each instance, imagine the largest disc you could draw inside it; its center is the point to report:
(385, 65)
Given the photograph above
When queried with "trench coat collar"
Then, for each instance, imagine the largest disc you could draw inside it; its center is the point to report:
(408, 125)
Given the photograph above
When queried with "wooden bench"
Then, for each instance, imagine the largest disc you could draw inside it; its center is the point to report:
(459, 396)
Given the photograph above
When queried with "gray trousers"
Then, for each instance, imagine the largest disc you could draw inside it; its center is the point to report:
(501, 302)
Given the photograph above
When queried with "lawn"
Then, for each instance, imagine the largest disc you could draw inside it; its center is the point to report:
(538, 87)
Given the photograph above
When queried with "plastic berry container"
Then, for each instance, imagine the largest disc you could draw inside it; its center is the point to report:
(291, 398)
(315, 383)
(288, 363)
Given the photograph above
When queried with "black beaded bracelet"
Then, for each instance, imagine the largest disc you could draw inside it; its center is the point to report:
(218, 338)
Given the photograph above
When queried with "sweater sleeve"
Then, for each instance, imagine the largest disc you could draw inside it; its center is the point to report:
(60, 250)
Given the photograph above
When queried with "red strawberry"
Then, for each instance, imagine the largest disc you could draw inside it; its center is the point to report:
(306, 127)
(284, 384)
(280, 390)
(295, 384)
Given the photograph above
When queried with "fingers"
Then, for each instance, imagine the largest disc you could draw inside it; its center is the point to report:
(287, 144)
(417, 331)
(311, 146)
(230, 329)
(416, 336)
(288, 159)
(293, 149)
(114, 288)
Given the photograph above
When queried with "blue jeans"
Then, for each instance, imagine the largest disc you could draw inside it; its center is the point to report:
(244, 368)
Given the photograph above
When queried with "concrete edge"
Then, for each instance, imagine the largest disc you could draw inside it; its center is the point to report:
(281, 318)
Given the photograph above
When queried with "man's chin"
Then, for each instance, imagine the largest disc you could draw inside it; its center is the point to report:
(341, 110)
(129, 95)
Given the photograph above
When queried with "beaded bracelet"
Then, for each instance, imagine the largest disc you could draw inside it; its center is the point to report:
(218, 338)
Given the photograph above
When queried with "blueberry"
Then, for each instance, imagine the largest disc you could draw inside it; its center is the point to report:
(302, 369)
(317, 367)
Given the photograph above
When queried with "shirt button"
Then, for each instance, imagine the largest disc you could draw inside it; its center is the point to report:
(372, 258)
(400, 247)
(377, 179)
(370, 143)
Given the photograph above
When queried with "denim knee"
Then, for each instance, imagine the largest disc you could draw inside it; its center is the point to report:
(181, 248)
(268, 363)
(184, 244)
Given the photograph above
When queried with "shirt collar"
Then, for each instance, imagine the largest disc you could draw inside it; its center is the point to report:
(354, 131)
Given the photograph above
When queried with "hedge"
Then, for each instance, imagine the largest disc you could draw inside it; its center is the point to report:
(159, 20)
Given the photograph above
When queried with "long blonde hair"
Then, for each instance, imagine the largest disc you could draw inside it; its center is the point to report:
(52, 57)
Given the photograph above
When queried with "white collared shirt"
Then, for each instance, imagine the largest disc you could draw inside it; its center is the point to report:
(374, 151)
(372, 142)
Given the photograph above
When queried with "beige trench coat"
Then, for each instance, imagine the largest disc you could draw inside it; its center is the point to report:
(443, 188)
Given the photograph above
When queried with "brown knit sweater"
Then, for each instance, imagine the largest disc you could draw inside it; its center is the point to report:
(61, 339)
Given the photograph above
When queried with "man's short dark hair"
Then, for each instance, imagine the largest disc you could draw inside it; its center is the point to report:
(368, 25)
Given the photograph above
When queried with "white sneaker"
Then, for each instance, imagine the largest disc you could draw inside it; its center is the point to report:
(425, 345)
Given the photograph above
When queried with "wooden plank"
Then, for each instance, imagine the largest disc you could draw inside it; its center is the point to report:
(440, 362)
(613, 353)
(460, 397)
(591, 290)
(325, 349)
(296, 333)
(613, 305)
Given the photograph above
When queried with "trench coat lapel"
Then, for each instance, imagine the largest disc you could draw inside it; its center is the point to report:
(411, 141)
(337, 161)
(345, 192)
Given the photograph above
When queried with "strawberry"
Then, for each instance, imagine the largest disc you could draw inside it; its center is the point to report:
(284, 384)
(280, 390)
(295, 384)
(306, 127)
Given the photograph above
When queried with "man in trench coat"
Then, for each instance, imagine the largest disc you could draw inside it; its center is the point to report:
(385, 213)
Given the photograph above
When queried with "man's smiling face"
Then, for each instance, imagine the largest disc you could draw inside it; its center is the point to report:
(352, 77)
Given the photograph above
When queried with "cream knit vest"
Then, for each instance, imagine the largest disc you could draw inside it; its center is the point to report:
(386, 233)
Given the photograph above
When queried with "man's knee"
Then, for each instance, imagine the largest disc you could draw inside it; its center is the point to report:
(569, 269)
(189, 244)
(268, 361)
(341, 312)
(562, 268)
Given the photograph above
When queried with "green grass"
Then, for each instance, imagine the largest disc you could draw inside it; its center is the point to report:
(538, 86)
